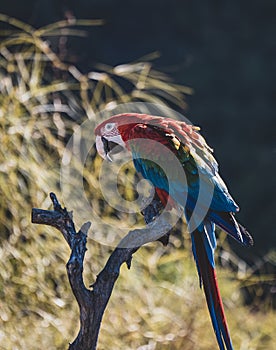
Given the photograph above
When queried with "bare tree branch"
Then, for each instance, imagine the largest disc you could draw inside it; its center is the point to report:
(92, 302)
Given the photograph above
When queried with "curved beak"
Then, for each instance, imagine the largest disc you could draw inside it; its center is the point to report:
(107, 147)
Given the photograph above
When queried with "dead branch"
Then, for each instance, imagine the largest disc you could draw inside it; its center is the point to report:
(92, 302)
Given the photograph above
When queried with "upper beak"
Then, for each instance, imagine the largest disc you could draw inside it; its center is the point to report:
(103, 147)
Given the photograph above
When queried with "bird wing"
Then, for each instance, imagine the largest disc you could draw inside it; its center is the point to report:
(194, 155)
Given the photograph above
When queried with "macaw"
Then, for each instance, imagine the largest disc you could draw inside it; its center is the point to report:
(133, 132)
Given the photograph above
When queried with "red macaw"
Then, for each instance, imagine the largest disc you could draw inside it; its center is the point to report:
(146, 137)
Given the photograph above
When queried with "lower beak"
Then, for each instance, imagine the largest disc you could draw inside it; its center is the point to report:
(107, 148)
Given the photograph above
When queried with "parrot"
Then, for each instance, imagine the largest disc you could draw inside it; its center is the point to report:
(154, 139)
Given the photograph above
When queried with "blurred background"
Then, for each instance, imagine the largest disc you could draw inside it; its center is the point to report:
(217, 60)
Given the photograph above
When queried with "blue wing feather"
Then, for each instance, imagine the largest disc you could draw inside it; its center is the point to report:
(218, 207)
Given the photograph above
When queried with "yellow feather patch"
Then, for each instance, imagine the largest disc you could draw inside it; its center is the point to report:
(186, 149)
(176, 142)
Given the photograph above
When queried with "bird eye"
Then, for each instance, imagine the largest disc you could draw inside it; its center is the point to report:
(109, 126)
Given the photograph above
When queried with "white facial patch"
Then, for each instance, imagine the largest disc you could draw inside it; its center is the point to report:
(100, 147)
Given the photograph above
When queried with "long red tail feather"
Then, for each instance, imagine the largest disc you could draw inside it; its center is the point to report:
(209, 280)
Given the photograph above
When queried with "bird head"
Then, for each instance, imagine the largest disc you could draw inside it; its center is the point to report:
(112, 134)
(109, 139)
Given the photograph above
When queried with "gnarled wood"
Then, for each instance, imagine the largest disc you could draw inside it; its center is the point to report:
(92, 302)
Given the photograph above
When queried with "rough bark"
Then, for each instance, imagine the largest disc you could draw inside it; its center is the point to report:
(92, 302)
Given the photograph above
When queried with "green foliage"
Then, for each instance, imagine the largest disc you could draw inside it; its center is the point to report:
(157, 304)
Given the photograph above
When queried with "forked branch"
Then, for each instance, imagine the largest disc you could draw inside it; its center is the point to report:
(92, 302)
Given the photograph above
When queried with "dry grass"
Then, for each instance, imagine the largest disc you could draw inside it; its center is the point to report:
(156, 305)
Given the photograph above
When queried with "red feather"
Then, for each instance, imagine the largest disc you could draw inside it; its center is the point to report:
(209, 279)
